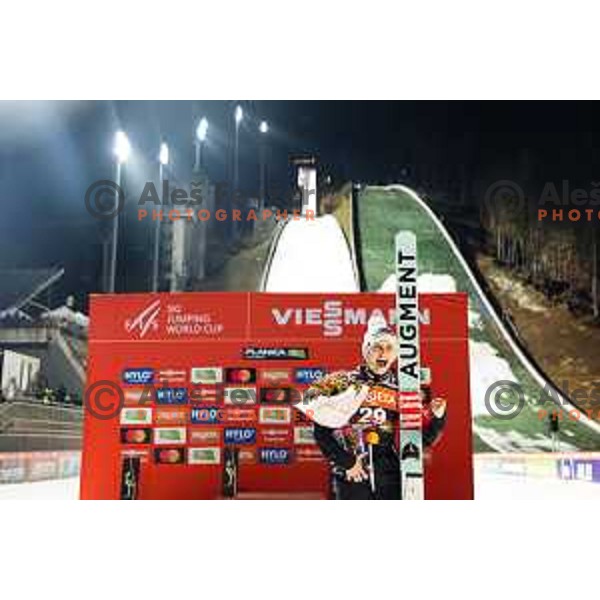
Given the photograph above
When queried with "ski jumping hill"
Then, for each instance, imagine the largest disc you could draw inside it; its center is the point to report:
(379, 212)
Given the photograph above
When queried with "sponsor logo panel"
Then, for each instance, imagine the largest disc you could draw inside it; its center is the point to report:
(275, 376)
(206, 375)
(169, 456)
(136, 416)
(275, 395)
(272, 415)
(204, 456)
(308, 375)
(275, 435)
(304, 435)
(274, 353)
(274, 456)
(172, 376)
(203, 394)
(239, 415)
(309, 454)
(171, 395)
(169, 435)
(210, 414)
(383, 397)
(239, 435)
(138, 376)
(136, 435)
(247, 456)
(139, 396)
(241, 375)
(142, 454)
(170, 416)
(239, 395)
(203, 435)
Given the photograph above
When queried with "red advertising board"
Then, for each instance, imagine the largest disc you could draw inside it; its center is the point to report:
(174, 379)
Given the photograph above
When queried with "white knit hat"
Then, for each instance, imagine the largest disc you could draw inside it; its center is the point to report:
(377, 329)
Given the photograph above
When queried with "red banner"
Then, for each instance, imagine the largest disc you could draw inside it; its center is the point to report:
(174, 378)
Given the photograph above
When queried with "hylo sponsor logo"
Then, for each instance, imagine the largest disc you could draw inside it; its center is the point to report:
(274, 456)
(174, 395)
(240, 435)
(205, 415)
(309, 375)
(138, 376)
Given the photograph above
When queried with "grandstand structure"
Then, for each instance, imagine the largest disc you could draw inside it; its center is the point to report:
(48, 415)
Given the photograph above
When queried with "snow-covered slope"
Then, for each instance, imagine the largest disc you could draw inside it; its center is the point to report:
(311, 256)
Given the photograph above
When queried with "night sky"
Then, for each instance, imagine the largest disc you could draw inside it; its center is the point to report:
(50, 152)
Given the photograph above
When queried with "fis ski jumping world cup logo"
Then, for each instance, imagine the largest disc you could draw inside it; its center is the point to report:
(145, 321)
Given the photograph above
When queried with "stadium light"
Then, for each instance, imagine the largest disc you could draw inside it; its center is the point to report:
(164, 154)
(202, 129)
(239, 114)
(122, 147)
(264, 127)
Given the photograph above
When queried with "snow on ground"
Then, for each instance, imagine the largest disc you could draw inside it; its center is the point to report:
(519, 293)
(54, 489)
(487, 367)
(312, 256)
(487, 487)
(515, 441)
(506, 487)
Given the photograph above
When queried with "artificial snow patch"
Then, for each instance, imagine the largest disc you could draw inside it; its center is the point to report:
(487, 368)
(312, 256)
